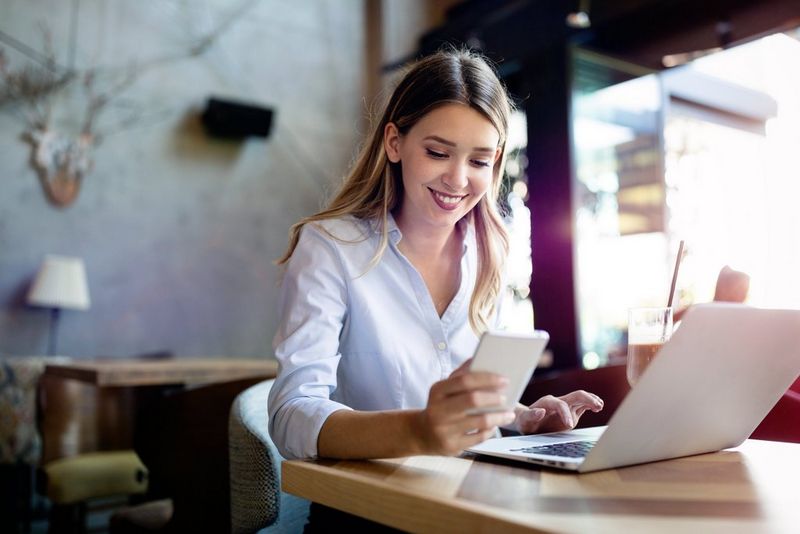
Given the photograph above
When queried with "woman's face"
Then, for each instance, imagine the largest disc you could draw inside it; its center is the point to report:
(447, 159)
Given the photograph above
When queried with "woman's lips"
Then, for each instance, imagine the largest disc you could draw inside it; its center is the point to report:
(446, 202)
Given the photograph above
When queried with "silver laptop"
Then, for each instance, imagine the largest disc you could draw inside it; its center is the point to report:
(708, 388)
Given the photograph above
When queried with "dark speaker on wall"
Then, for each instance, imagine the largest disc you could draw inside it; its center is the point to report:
(236, 120)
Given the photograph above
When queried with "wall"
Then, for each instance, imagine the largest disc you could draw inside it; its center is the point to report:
(178, 230)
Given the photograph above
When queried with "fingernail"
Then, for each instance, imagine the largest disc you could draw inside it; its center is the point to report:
(539, 412)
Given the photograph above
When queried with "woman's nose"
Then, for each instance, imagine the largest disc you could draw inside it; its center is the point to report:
(456, 179)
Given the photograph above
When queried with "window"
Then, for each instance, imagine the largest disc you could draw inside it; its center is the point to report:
(707, 153)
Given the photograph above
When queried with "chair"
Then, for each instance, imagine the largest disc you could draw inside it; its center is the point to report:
(256, 498)
(782, 423)
(49, 425)
(20, 441)
(85, 456)
(184, 440)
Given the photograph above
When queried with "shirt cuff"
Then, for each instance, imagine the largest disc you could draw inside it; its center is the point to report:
(298, 424)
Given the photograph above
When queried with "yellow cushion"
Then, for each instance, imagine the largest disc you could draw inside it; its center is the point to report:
(92, 475)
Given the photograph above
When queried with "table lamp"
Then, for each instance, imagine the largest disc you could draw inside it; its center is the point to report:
(59, 284)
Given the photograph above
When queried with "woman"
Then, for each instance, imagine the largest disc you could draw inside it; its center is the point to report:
(386, 291)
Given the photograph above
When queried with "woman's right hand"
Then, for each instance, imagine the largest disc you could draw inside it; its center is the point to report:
(445, 427)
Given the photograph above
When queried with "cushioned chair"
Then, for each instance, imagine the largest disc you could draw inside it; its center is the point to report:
(95, 474)
(70, 472)
(256, 498)
(184, 441)
(82, 461)
(782, 423)
(20, 441)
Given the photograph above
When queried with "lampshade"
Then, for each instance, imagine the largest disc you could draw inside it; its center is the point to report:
(60, 283)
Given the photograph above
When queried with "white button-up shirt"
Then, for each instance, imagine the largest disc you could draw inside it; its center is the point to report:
(357, 337)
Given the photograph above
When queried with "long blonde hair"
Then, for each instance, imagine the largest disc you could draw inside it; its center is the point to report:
(374, 186)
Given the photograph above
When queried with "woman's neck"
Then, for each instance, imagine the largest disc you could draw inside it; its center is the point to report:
(426, 241)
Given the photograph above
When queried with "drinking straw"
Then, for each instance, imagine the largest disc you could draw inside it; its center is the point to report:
(675, 275)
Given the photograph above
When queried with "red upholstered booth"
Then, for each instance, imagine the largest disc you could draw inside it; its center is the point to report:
(783, 421)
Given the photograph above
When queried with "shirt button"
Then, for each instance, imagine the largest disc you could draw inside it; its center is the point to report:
(441, 345)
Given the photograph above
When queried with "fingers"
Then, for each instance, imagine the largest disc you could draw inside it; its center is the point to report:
(473, 439)
(485, 421)
(583, 399)
(536, 413)
(529, 420)
(463, 368)
(561, 413)
(451, 438)
(565, 413)
(558, 408)
(455, 406)
(447, 424)
(468, 381)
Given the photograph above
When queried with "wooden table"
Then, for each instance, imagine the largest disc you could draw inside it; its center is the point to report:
(127, 372)
(179, 421)
(753, 488)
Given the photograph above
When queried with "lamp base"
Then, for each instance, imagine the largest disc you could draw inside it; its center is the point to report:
(52, 341)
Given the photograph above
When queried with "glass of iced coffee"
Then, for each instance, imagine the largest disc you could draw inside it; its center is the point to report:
(648, 330)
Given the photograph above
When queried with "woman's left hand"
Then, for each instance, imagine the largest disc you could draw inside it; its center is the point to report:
(554, 414)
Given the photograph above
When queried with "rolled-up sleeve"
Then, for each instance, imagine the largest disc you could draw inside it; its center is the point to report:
(313, 309)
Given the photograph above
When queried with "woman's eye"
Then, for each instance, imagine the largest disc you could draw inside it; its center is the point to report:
(480, 163)
(434, 154)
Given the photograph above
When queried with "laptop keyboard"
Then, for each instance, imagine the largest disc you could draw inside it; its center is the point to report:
(572, 449)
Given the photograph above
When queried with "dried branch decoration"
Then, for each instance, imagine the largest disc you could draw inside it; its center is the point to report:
(62, 160)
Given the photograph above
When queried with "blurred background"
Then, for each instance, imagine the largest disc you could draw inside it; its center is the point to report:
(154, 154)
(639, 123)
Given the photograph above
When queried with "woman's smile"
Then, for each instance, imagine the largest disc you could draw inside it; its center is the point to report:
(445, 201)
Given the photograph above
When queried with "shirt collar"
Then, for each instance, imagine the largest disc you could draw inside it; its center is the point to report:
(395, 235)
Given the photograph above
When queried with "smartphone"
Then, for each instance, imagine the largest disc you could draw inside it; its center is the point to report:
(513, 356)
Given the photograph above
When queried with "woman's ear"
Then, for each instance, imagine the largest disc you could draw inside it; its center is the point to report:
(391, 142)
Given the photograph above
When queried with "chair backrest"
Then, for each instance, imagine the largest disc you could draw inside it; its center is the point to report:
(782, 423)
(19, 437)
(254, 462)
(22, 426)
(76, 417)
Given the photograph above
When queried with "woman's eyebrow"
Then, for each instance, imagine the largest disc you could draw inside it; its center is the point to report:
(452, 144)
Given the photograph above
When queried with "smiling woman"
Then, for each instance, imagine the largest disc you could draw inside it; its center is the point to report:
(386, 291)
(446, 169)
(446, 162)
